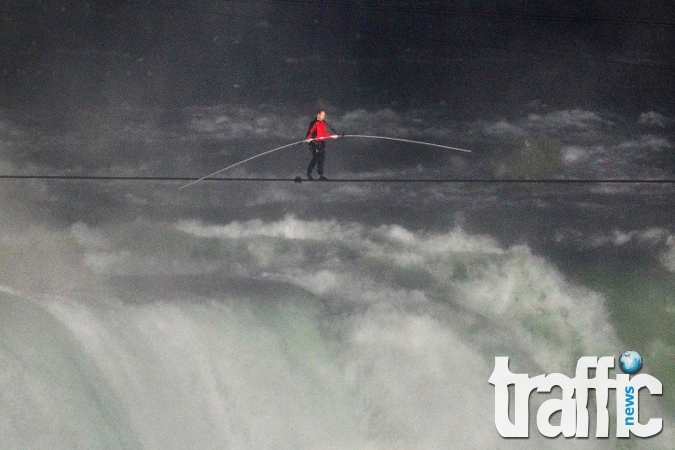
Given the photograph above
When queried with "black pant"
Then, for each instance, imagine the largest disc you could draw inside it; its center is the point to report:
(318, 150)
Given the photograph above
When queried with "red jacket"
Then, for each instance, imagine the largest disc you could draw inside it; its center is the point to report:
(317, 130)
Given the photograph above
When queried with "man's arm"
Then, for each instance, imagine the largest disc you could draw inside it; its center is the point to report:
(311, 132)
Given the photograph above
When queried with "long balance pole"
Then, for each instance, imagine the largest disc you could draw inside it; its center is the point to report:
(320, 139)
(240, 162)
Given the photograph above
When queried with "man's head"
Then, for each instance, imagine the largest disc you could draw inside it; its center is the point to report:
(320, 114)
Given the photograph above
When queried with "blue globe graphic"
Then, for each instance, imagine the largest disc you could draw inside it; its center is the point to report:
(630, 362)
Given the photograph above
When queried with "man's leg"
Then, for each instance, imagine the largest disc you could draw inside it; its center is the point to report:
(321, 157)
(315, 159)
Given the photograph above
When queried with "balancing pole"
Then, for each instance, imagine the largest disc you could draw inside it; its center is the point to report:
(321, 139)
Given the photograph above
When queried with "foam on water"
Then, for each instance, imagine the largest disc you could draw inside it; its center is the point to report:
(318, 335)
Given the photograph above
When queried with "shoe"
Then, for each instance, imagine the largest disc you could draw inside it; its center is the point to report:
(322, 178)
(309, 177)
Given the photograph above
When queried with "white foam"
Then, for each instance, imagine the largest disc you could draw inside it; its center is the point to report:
(382, 337)
(668, 256)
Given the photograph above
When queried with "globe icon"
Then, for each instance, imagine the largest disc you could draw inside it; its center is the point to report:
(630, 362)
